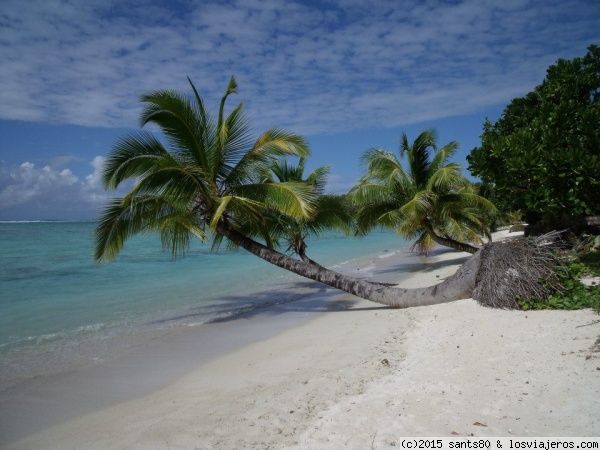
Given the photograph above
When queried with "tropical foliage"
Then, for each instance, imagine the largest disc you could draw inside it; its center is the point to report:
(543, 155)
(428, 200)
(573, 293)
(208, 178)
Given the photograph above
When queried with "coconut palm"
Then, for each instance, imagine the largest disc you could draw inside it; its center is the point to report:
(213, 179)
(209, 179)
(430, 200)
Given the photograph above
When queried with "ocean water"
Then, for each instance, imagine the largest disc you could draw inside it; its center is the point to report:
(58, 308)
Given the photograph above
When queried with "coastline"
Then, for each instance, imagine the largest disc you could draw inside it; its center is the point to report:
(59, 310)
(343, 373)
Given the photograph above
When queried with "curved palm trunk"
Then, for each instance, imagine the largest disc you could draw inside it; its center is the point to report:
(447, 242)
(457, 287)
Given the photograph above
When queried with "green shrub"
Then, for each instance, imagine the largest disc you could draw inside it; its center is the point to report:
(574, 294)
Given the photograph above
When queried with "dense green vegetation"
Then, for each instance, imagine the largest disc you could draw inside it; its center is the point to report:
(542, 157)
(541, 160)
(574, 294)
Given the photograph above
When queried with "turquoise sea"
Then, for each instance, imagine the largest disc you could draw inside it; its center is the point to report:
(59, 309)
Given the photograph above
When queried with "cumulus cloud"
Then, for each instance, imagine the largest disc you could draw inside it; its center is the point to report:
(335, 66)
(29, 193)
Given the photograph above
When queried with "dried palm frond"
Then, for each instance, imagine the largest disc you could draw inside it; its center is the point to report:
(523, 268)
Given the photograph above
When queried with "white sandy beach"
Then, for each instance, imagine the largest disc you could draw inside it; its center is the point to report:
(360, 377)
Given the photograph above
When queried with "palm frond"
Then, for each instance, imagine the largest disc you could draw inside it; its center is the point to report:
(366, 193)
(318, 178)
(113, 229)
(131, 215)
(176, 232)
(420, 205)
(423, 244)
(218, 214)
(419, 155)
(334, 212)
(374, 215)
(134, 155)
(268, 148)
(293, 199)
(442, 156)
(234, 137)
(446, 178)
(175, 182)
(231, 89)
(183, 124)
(383, 166)
(281, 170)
(276, 142)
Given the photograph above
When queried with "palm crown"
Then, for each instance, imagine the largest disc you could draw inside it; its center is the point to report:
(430, 200)
(208, 176)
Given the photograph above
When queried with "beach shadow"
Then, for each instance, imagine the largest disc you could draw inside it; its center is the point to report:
(322, 299)
(282, 309)
(422, 266)
(306, 296)
(303, 296)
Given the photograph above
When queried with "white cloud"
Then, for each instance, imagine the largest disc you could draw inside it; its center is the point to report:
(28, 192)
(339, 66)
(94, 179)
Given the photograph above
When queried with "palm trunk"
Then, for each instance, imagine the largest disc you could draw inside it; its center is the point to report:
(457, 287)
(447, 242)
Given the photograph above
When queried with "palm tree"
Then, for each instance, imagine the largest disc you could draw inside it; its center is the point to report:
(213, 179)
(430, 201)
(208, 180)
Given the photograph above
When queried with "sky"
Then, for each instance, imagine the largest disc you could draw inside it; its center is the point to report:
(346, 74)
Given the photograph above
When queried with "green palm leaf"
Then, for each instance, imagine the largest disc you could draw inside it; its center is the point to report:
(181, 123)
(134, 155)
(126, 217)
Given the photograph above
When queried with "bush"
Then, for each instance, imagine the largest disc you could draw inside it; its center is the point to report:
(573, 294)
(541, 156)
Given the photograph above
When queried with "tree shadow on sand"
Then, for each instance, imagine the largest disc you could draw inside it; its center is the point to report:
(306, 296)
(415, 263)
(298, 297)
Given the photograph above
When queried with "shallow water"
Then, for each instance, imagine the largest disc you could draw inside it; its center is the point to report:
(59, 309)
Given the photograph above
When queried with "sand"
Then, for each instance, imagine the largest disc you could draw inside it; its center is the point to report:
(357, 376)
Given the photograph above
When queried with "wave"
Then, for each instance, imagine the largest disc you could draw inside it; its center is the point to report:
(50, 337)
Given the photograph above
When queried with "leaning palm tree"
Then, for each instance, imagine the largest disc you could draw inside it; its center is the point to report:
(210, 181)
(430, 200)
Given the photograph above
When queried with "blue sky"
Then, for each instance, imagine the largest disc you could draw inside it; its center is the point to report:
(348, 75)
